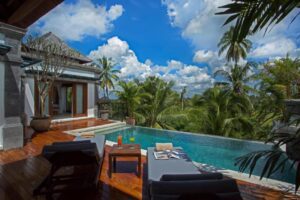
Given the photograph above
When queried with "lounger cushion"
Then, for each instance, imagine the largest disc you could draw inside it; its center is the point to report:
(158, 168)
(88, 149)
(71, 142)
(223, 189)
(187, 177)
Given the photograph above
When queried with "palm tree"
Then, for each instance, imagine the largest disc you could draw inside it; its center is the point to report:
(107, 75)
(237, 78)
(159, 105)
(236, 49)
(226, 113)
(251, 16)
(275, 159)
(283, 73)
(130, 96)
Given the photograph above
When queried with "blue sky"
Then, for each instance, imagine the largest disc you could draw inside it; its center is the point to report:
(146, 27)
(173, 39)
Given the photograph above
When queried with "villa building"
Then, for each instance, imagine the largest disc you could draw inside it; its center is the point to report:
(74, 92)
(15, 17)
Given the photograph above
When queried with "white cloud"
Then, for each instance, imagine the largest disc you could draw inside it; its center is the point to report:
(197, 20)
(195, 78)
(214, 61)
(115, 49)
(74, 21)
(279, 47)
(119, 51)
(148, 62)
(203, 56)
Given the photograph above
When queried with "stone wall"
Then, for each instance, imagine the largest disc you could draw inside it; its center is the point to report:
(1, 101)
(12, 129)
(293, 106)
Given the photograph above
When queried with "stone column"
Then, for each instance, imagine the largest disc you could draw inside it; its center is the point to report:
(12, 129)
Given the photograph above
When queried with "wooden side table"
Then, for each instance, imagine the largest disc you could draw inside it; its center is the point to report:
(125, 150)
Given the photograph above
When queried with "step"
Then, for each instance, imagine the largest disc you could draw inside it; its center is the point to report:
(106, 127)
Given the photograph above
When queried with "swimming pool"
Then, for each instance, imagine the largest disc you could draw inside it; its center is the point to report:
(213, 150)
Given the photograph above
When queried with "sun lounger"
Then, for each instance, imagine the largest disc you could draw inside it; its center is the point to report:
(181, 179)
(75, 165)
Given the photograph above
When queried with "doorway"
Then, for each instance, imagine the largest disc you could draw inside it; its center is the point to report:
(68, 99)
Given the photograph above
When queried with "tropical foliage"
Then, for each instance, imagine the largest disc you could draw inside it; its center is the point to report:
(237, 78)
(275, 159)
(283, 73)
(251, 16)
(226, 113)
(130, 96)
(278, 80)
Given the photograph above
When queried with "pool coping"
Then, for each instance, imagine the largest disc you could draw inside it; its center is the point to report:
(76, 132)
(208, 135)
(270, 183)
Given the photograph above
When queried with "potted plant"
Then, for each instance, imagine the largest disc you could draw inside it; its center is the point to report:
(49, 61)
(130, 96)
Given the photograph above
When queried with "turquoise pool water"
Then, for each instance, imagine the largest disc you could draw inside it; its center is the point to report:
(217, 151)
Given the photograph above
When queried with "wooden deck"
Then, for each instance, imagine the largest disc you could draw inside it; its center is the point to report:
(21, 170)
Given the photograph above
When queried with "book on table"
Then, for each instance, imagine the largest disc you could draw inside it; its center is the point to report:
(165, 155)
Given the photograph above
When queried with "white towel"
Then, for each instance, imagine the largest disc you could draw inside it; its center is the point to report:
(163, 146)
(88, 134)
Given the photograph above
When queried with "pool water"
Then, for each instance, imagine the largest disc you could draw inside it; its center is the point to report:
(220, 152)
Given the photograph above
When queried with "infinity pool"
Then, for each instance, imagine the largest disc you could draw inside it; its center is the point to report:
(217, 151)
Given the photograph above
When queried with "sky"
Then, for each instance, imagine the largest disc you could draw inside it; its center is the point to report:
(172, 39)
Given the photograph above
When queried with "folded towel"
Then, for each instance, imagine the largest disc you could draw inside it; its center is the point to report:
(164, 146)
(87, 135)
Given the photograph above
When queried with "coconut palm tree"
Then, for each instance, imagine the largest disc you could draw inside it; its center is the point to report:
(159, 105)
(130, 96)
(235, 49)
(251, 16)
(283, 73)
(226, 113)
(237, 78)
(107, 75)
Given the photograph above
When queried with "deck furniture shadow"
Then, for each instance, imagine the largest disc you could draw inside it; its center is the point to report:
(124, 150)
(75, 165)
(181, 179)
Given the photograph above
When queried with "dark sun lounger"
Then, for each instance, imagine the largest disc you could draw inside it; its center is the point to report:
(177, 179)
(75, 165)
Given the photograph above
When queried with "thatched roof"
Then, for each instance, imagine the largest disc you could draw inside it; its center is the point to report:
(52, 38)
